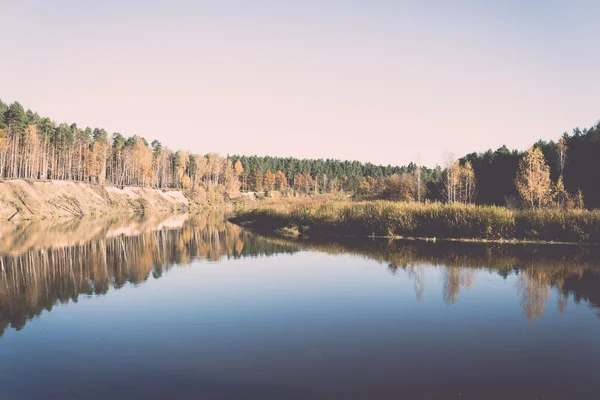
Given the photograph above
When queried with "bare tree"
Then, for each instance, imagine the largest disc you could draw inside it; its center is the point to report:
(562, 154)
(417, 174)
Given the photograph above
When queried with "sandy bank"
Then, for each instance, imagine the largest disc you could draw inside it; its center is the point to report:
(20, 199)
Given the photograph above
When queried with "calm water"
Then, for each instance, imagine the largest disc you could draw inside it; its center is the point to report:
(194, 307)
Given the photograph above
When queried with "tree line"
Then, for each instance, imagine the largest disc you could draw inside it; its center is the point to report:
(567, 171)
(34, 147)
(556, 173)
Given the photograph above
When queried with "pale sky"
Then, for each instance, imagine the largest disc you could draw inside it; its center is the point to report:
(377, 80)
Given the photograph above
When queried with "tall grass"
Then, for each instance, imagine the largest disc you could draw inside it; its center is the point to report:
(460, 221)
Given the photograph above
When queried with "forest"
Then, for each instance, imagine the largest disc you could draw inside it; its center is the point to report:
(563, 173)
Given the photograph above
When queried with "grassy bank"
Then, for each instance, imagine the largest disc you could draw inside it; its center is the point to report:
(448, 221)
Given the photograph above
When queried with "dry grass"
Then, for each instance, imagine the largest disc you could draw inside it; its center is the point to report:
(385, 218)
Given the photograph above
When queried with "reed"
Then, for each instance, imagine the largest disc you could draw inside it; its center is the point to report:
(432, 220)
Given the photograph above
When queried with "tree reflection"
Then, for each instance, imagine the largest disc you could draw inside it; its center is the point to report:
(534, 290)
(571, 270)
(41, 266)
(36, 280)
(416, 273)
(454, 280)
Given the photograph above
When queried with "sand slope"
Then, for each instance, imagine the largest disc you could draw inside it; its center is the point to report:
(20, 199)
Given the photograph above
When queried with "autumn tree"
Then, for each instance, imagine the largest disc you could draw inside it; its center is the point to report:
(256, 180)
(399, 187)
(451, 179)
(365, 186)
(467, 183)
(298, 182)
(533, 178)
(34, 147)
(579, 203)
(230, 179)
(280, 181)
(459, 181)
(215, 166)
(143, 156)
(269, 181)
(561, 196)
(180, 163)
(101, 147)
(238, 168)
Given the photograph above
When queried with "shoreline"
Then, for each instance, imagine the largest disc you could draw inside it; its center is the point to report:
(280, 233)
(33, 200)
(425, 222)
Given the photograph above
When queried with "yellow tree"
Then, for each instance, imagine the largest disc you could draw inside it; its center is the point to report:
(91, 163)
(256, 180)
(467, 183)
(241, 173)
(214, 167)
(232, 181)
(238, 168)
(298, 182)
(451, 179)
(269, 181)
(280, 180)
(203, 170)
(561, 196)
(399, 187)
(142, 155)
(186, 182)
(579, 203)
(98, 161)
(533, 178)
(181, 161)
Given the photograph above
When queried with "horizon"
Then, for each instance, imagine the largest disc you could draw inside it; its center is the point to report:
(372, 82)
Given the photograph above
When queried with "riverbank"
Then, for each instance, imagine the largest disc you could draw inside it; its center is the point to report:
(25, 200)
(417, 220)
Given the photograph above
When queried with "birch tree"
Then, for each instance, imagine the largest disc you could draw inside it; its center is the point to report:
(533, 178)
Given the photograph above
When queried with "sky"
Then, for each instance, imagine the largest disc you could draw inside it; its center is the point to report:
(380, 80)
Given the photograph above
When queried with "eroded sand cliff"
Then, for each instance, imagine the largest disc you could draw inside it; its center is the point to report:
(20, 199)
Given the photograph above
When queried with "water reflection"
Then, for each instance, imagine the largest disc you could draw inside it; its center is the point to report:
(574, 271)
(44, 264)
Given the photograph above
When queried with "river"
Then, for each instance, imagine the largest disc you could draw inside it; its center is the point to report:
(190, 307)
